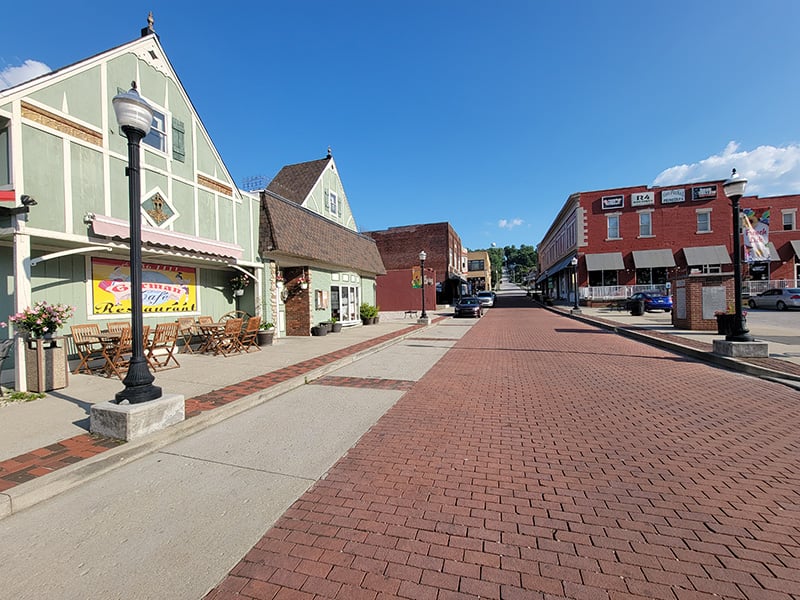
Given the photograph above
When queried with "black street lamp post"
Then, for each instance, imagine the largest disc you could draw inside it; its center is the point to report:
(135, 116)
(734, 189)
(574, 263)
(422, 257)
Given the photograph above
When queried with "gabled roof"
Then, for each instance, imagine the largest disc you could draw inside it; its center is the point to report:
(292, 230)
(295, 182)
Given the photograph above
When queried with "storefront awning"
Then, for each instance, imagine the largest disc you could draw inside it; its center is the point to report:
(550, 271)
(653, 259)
(773, 251)
(608, 261)
(796, 247)
(707, 255)
(117, 228)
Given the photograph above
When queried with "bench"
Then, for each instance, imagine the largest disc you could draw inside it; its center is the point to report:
(410, 313)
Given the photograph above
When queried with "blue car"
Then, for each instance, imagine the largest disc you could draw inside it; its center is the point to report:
(652, 301)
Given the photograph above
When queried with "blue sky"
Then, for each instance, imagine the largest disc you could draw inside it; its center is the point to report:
(484, 114)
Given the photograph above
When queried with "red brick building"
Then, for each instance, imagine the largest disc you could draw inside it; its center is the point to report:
(399, 248)
(644, 237)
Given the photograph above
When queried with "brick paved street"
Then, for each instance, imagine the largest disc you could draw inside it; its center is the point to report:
(543, 458)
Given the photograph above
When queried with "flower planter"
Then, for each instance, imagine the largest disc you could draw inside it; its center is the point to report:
(725, 324)
(318, 330)
(238, 292)
(46, 364)
(265, 337)
(336, 327)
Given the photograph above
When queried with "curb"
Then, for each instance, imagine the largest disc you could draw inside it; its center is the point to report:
(42, 488)
(717, 360)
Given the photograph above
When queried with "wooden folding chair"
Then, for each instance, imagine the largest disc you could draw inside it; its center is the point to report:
(249, 338)
(188, 332)
(118, 356)
(162, 347)
(118, 326)
(86, 343)
(226, 341)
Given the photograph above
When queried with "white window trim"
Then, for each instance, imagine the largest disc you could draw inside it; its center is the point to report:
(619, 226)
(793, 213)
(703, 211)
(647, 211)
(167, 132)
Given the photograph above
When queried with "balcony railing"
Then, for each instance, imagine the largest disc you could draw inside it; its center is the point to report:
(617, 292)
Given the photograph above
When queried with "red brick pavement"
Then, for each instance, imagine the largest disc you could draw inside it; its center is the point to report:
(28, 466)
(543, 458)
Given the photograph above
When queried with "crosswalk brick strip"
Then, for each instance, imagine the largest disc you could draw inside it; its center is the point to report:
(544, 458)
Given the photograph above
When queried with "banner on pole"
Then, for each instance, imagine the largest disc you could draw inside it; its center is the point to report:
(755, 227)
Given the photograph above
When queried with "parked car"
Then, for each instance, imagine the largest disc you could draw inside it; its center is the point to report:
(486, 298)
(468, 306)
(651, 300)
(780, 298)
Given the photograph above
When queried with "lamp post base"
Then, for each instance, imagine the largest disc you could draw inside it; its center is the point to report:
(751, 349)
(426, 320)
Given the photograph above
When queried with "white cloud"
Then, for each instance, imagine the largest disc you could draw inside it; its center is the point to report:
(506, 224)
(11, 76)
(770, 170)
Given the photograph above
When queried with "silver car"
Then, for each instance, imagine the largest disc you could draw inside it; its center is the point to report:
(486, 298)
(780, 298)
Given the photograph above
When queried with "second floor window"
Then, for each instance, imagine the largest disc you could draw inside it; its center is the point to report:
(613, 227)
(788, 221)
(157, 138)
(645, 224)
(333, 203)
(703, 222)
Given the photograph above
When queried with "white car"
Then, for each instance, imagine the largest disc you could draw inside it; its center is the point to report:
(486, 298)
(780, 298)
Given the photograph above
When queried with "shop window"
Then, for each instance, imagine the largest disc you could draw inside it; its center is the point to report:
(651, 276)
(602, 278)
(704, 222)
(759, 271)
(613, 227)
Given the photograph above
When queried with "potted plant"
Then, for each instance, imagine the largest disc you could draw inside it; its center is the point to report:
(725, 320)
(238, 283)
(318, 330)
(279, 280)
(266, 334)
(336, 325)
(42, 320)
(302, 282)
(328, 325)
(365, 312)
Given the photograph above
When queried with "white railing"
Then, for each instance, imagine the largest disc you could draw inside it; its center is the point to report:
(617, 292)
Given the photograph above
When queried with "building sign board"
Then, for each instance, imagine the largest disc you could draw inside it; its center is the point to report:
(672, 196)
(704, 192)
(612, 202)
(643, 199)
(165, 288)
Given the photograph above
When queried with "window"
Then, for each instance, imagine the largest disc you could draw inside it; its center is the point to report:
(157, 138)
(333, 203)
(613, 227)
(646, 224)
(5, 163)
(602, 278)
(704, 221)
(475, 265)
(788, 220)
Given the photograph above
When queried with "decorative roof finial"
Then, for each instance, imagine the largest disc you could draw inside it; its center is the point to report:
(329, 152)
(149, 29)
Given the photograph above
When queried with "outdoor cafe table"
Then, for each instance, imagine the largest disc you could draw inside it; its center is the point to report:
(208, 331)
(109, 340)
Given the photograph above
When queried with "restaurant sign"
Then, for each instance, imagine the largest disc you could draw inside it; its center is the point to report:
(165, 288)
(612, 202)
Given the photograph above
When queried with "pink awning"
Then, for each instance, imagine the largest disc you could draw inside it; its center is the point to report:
(117, 228)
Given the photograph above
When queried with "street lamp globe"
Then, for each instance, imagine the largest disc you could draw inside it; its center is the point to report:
(734, 186)
(133, 111)
(422, 255)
